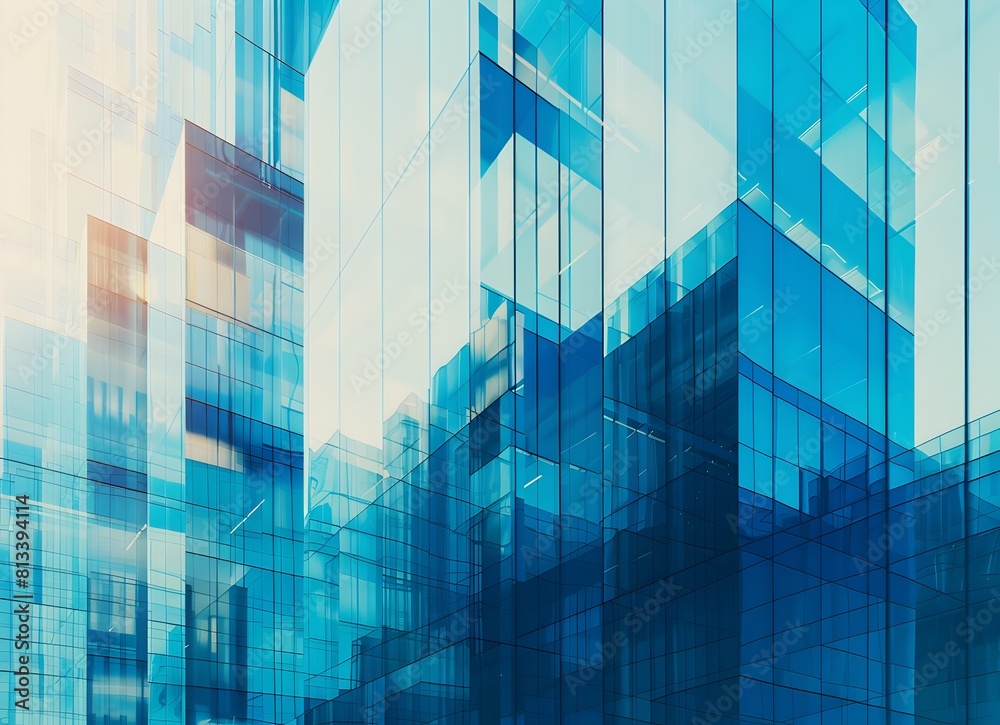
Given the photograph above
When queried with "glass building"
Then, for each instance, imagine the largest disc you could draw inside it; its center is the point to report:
(499, 361)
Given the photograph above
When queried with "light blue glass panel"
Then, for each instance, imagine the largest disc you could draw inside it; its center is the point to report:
(797, 339)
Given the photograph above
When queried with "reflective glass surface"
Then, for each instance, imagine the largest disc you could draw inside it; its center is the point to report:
(499, 361)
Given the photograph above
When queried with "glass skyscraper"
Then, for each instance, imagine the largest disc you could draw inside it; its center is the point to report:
(499, 361)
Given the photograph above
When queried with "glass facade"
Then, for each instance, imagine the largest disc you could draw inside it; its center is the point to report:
(499, 361)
